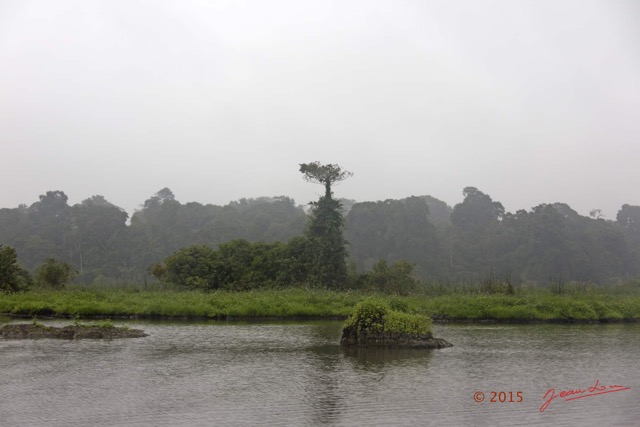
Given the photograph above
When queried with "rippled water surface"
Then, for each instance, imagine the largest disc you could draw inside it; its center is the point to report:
(296, 374)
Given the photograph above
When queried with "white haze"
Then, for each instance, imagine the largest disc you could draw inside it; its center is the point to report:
(529, 101)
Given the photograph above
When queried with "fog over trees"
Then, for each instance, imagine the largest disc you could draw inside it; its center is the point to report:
(468, 241)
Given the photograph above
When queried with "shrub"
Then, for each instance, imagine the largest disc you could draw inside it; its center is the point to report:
(54, 273)
(193, 267)
(375, 316)
(399, 305)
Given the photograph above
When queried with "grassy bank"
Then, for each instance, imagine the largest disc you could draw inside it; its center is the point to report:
(536, 306)
(299, 303)
(124, 303)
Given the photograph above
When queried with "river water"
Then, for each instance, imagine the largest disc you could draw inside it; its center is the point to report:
(295, 373)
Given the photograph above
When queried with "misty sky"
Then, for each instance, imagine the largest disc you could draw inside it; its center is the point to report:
(529, 101)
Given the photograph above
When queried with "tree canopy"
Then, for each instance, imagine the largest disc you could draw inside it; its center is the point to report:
(476, 238)
(13, 277)
(324, 233)
(326, 175)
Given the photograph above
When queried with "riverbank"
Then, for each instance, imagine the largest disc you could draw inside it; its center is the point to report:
(527, 306)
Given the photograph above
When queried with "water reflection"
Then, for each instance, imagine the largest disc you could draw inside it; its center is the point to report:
(322, 387)
(284, 373)
(382, 356)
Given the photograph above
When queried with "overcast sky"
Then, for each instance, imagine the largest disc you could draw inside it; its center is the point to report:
(529, 101)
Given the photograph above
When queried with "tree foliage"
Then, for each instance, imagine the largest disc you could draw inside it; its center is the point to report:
(549, 242)
(93, 236)
(192, 267)
(477, 212)
(326, 175)
(54, 273)
(317, 258)
(326, 245)
(235, 265)
(13, 277)
(394, 230)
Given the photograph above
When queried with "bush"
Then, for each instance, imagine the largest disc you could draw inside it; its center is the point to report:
(236, 265)
(54, 273)
(193, 267)
(375, 316)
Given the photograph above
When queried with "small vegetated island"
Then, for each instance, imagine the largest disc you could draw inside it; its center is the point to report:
(100, 330)
(374, 323)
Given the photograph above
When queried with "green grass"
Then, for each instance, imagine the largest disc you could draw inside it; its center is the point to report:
(534, 306)
(525, 305)
(187, 304)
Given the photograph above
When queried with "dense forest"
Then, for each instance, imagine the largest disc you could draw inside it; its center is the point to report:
(471, 241)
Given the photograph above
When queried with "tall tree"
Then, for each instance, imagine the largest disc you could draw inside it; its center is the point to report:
(476, 224)
(477, 212)
(324, 233)
(50, 231)
(326, 175)
(97, 228)
(153, 231)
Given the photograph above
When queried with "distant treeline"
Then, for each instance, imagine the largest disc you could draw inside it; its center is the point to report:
(475, 240)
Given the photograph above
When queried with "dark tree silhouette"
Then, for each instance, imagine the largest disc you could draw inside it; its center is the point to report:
(324, 174)
(325, 230)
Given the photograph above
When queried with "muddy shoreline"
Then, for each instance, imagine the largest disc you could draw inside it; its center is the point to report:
(70, 332)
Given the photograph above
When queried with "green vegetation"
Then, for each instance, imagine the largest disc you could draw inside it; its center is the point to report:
(591, 304)
(472, 261)
(13, 277)
(179, 304)
(54, 273)
(235, 265)
(326, 175)
(397, 278)
(326, 253)
(459, 244)
(106, 324)
(317, 258)
(394, 230)
(94, 237)
(325, 256)
(375, 316)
